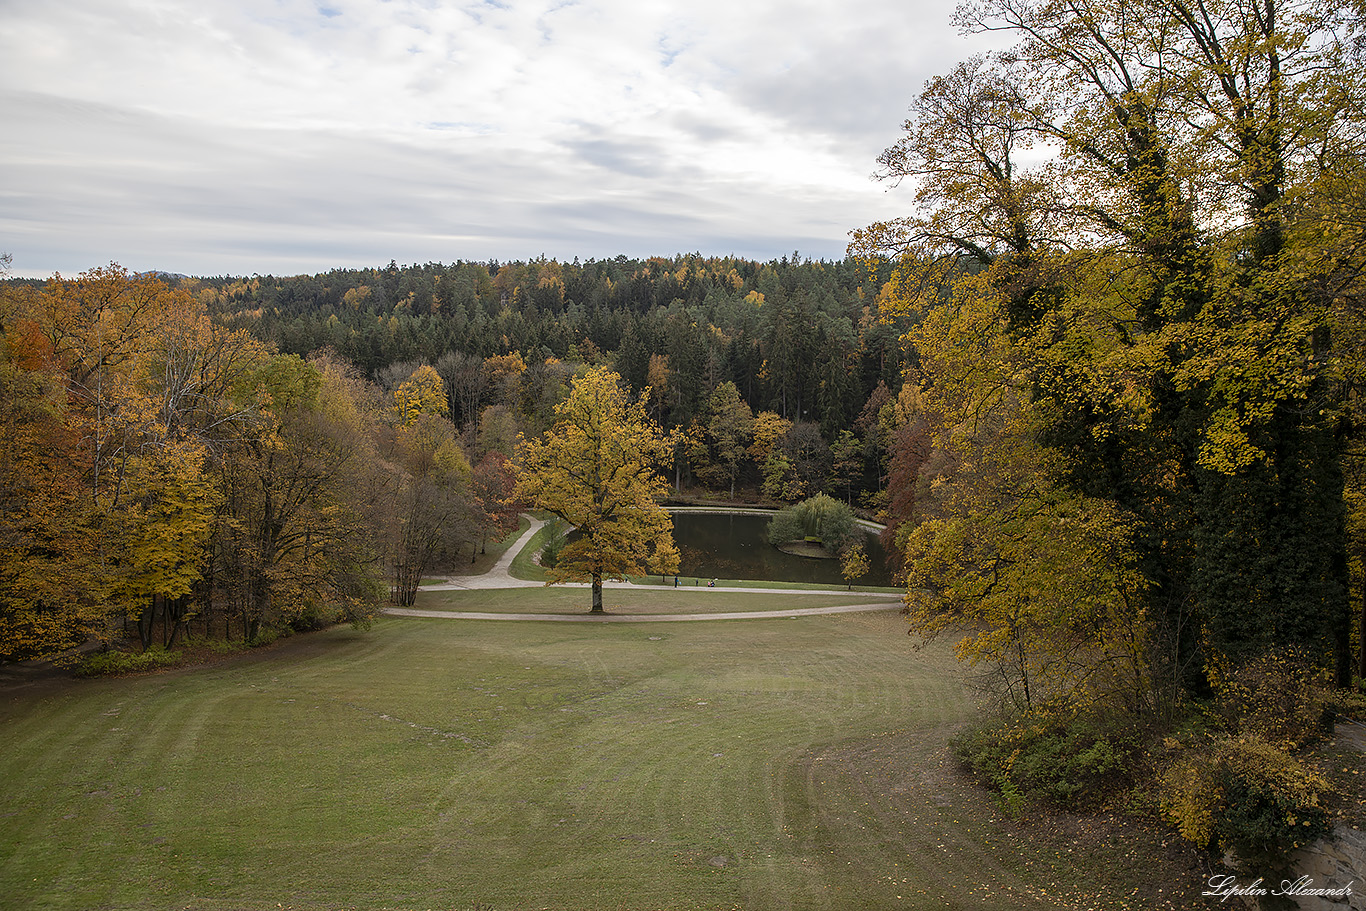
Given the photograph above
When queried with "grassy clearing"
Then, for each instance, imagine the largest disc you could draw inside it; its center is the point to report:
(782, 764)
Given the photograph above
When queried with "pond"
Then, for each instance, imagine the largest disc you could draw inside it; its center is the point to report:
(735, 546)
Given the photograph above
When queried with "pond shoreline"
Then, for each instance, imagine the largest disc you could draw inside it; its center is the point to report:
(752, 511)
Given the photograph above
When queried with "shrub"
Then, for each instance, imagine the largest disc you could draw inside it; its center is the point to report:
(116, 663)
(1068, 762)
(1279, 698)
(315, 616)
(1244, 794)
(785, 527)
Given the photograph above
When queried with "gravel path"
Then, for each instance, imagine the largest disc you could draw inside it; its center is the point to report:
(497, 577)
(647, 618)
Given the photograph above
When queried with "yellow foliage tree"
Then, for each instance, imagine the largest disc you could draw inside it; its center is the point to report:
(46, 534)
(131, 384)
(163, 530)
(598, 469)
(1036, 580)
(767, 428)
(422, 393)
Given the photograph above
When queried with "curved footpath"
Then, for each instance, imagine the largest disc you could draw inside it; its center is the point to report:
(500, 577)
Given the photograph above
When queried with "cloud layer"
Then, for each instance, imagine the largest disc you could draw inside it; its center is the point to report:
(240, 136)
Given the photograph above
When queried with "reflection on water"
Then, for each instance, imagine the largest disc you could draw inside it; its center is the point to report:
(736, 547)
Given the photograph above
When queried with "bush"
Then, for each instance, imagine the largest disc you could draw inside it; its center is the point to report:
(785, 527)
(1244, 794)
(1073, 763)
(315, 616)
(116, 663)
(1279, 698)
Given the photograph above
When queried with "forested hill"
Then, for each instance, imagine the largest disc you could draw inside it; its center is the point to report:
(798, 337)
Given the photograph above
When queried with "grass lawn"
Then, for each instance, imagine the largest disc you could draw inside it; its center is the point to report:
(424, 764)
(617, 600)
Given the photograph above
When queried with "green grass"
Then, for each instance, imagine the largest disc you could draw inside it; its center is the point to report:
(617, 600)
(776, 764)
(524, 565)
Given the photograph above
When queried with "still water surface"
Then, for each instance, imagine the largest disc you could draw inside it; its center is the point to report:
(736, 547)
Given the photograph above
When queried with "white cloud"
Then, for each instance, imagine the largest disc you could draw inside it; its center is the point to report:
(211, 136)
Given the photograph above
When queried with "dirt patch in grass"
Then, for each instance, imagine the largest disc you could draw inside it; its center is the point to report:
(807, 549)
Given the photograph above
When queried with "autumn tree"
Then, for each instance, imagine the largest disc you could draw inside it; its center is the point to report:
(145, 384)
(598, 469)
(422, 393)
(730, 426)
(853, 563)
(46, 526)
(1038, 583)
(503, 378)
(433, 508)
(798, 464)
(292, 536)
(768, 429)
(494, 487)
(659, 382)
(1168, 353)
(163, 530)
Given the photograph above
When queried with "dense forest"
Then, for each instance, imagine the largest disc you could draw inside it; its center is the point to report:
(802, 339)
(801, 346)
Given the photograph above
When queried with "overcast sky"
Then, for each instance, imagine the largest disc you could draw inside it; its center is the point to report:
(287, 136)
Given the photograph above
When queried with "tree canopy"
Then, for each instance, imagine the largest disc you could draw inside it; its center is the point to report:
(598, 468)
(1148, 337)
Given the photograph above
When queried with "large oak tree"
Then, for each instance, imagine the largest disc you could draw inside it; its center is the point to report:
(598, 469)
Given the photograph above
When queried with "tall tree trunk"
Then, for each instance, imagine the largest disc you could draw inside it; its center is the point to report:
(1361, 624)
(176, 609)
(597, 594)
(146, 620)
